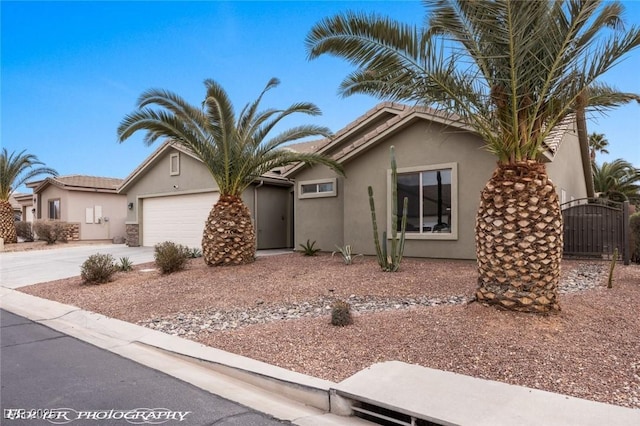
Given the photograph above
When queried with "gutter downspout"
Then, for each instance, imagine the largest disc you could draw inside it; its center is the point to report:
(255, 209)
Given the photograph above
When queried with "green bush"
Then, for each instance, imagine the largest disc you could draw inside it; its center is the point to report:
(24, 231)
(634, 243)
(97, 269)
(171, 257)
(341, 314)
(50, 231)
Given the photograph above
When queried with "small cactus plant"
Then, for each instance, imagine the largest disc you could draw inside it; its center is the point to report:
(341, 314)
(389, 259)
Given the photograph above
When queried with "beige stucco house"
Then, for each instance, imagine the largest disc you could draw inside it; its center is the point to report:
(442, 168)
(90, 203)
(22, 206)
(169, 197)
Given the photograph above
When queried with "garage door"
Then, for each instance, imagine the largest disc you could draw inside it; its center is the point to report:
(178, 218)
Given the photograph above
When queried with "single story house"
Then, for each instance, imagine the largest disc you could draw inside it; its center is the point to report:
(89, 203)
(22, 206)
(442, 168)
(170, 195)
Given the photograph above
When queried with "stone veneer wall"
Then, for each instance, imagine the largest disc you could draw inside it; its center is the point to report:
(133, 234)
(72, 231)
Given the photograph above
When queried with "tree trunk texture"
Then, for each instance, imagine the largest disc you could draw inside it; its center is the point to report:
(229, 238)
(7, 223)
(519, 240)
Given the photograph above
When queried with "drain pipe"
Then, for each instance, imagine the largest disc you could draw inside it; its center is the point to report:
(255, 209)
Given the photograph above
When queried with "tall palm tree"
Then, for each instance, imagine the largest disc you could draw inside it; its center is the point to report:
(510, 70)
(598, 143)
(618, 180)
(235, 151)
(15, 170)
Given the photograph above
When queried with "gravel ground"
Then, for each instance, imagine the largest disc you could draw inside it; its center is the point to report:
(277, 310)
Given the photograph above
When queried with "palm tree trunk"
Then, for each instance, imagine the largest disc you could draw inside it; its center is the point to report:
(7, 223)
(519, 239)
(229, 237)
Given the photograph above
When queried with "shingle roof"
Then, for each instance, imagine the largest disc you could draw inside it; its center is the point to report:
(83, 181)
(397, 113)
(79, 182)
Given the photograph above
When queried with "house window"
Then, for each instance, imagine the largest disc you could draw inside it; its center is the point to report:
(54, 209)
(317, 188)
(432, 201)
(174, 164)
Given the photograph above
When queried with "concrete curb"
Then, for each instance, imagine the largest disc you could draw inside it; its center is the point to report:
(284, 394)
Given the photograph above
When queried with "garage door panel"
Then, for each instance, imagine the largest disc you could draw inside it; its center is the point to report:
(177, 218)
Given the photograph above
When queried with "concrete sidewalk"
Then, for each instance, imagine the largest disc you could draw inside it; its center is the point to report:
(22, 268)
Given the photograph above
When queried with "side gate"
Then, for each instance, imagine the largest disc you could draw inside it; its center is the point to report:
(595, 227)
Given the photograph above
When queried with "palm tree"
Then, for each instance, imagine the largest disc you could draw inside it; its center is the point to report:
(617, 181)
(15, 170)
(511, 71)
(234, 150)
(597, 143)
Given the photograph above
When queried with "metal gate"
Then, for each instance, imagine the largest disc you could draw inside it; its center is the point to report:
(595, 227)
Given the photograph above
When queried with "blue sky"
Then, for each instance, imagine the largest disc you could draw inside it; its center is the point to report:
(72, 70)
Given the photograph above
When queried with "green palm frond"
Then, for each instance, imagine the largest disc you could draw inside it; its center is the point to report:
(235, 150)
(16, 169)
(619, 176)
(512, 70)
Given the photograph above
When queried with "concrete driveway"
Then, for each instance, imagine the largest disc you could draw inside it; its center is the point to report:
(19, 269)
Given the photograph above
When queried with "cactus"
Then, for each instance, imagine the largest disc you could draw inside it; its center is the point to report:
(341, 314)
(389, 261)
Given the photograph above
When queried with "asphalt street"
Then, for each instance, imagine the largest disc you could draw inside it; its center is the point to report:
(42, 370)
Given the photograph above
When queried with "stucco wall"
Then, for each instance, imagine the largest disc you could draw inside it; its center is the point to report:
(73, 205)
(420, 144)
(346, 219)
(319, 219)
(157, 180)
(566, 170)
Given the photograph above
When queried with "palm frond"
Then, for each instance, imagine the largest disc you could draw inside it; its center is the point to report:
(512, 70)
(235, 152)
(17, 168)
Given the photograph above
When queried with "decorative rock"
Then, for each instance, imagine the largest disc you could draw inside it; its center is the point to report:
(586, 276)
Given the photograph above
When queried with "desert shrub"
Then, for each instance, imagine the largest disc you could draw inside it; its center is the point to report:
(97, 269)
(24, 231)
(634, 243)
(170, 257)
(125, 264)
(341, 314)
(308, 249)
(50, 231)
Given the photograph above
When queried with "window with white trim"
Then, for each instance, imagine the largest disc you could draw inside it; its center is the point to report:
(54, 209)
(174, 164)
(432, 201)
(317, 188)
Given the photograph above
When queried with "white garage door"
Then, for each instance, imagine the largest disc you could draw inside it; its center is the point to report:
(178, 218)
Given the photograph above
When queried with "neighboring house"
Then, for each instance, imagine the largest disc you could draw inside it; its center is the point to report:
(170, 196)
(22, 206)
(90, 203)
(442, 168)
